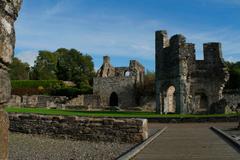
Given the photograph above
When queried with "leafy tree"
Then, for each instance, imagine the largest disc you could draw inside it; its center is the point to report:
(72, 65)
(148, 89)
(19, 70)
(45, 66)
(234, 79)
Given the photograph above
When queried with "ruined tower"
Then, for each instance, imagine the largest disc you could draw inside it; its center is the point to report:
(184, 84)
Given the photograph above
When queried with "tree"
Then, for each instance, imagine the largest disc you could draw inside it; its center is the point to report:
(234, 72)
(72, 65)
(148, 88)
(45, 66)
(19, 70)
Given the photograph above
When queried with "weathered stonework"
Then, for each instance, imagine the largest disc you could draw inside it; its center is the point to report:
(82, 102)
(81, 128)
(8, 14)
(116, 86)
(184, 84)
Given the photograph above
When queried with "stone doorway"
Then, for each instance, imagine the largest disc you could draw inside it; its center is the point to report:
(201, 102)
(113, 99)
(170, 100)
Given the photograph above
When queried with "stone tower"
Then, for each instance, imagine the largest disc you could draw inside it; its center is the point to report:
(184, 84)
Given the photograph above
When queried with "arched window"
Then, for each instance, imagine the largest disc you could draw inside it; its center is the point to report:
(127, 74)
(170, 100)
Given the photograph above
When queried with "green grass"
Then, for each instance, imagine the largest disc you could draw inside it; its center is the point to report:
(45, 111)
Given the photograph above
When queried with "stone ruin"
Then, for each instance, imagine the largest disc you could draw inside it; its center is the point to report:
(116, 86)
(184, 84)
(8, 14)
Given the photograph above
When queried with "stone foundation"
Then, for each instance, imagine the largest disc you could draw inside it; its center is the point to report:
(84, 102)
(81, 128)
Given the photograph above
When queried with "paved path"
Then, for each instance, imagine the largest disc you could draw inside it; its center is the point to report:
(188, 142)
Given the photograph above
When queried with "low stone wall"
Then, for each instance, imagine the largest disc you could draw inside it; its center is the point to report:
(38, 101)
(81, 128)
(85, 102)
(232, 99)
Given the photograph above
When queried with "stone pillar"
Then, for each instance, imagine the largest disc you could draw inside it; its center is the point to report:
(161, 42)
(8, 14)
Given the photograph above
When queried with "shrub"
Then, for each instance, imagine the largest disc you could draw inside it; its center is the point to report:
(35, 87)
(69, 92)
(72, 92)
(47, 87)
(36, 83)
(29, 91)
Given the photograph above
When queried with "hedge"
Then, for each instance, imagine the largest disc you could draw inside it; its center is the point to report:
(71, 92)
(47, 87)
(36, 84)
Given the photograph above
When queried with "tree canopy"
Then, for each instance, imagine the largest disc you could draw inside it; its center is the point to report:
(64, 64)
(19, 70)
(234, 72)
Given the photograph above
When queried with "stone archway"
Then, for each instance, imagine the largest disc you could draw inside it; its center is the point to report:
(170, 100)
(113, 99)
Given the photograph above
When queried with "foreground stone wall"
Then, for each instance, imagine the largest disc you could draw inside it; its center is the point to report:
(81, 128)
(8, 14)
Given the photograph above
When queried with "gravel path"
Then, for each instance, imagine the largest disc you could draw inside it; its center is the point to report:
(35, 147)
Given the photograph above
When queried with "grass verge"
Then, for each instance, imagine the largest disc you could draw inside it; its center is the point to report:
(46, 111)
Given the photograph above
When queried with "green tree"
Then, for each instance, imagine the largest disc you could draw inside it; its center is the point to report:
(72, 65)
(19, 70)
(234, 73)
(45, 66)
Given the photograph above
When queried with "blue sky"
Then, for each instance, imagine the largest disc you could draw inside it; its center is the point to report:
(124, 29)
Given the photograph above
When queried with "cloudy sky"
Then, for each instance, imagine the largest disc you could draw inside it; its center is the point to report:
(124, 29)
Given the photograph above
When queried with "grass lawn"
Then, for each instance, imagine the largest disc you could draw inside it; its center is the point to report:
(46, 111)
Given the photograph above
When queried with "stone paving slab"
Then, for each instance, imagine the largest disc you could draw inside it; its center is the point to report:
(187, 142)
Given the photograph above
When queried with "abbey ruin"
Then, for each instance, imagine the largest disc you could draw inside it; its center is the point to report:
(8, 15)
(184, 84)
(116, 86)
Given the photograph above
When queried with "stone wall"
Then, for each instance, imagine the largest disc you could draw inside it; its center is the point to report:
(81, 128)
(232, 99)
(37, 101)
(86, 102)
(123, 87)
(8, 14)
